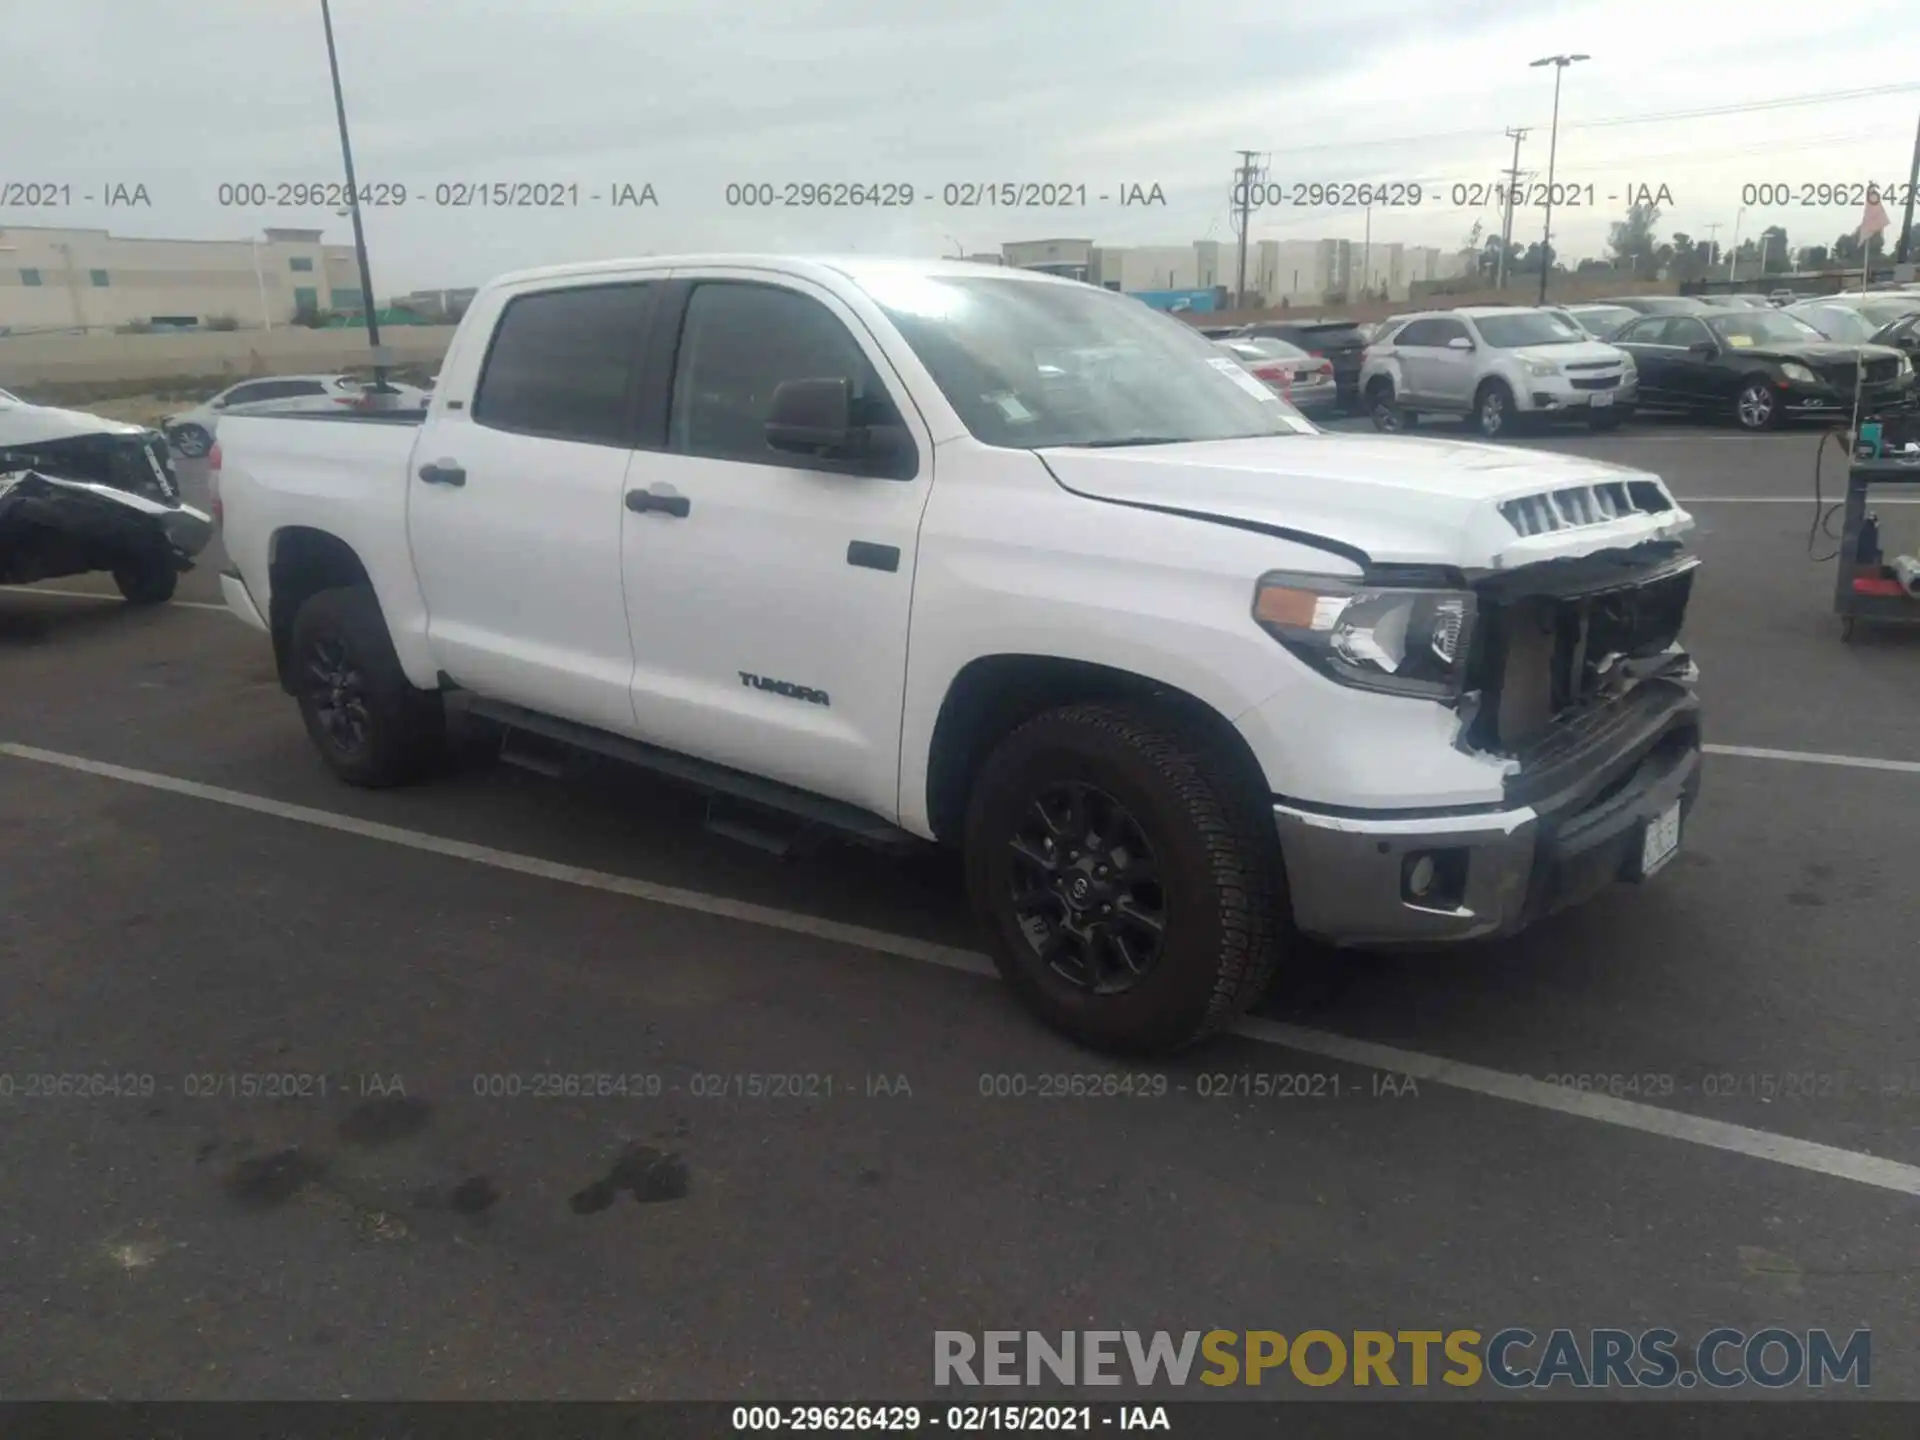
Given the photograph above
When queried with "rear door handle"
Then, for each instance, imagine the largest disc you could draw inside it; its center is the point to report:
(444, 472)
(642, 502)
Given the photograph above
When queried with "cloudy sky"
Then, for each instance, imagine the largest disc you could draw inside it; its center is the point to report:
(693, 95)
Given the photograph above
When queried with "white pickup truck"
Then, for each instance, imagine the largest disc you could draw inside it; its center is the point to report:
(924, 551)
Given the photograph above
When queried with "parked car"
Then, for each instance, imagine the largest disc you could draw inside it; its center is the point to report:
(192, 432)
(1212, 332)
(1320, 685)
(1903, 335)
(1782, 297)
(81, 493)
(1494, 365)
(1658, 304)
(1843, 323)
(1759, 366)
(1600, 321)
(1875, 310)
(1339, 341)
(1304, 381)
(1736, 302)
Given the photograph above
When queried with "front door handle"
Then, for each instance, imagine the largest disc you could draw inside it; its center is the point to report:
(642, 502)
(444, 472)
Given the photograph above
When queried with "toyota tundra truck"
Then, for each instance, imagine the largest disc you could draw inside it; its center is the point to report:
(923, 552)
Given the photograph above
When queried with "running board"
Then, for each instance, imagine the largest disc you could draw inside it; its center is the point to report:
(817, 810)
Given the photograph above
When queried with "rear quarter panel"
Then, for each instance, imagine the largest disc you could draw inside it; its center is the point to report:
(345, 478)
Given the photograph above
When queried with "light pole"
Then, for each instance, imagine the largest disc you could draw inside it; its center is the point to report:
(1733, 255)
(1559, 63)
(353, 202)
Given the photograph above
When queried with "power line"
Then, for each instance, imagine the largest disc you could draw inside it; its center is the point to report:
(1829, 97)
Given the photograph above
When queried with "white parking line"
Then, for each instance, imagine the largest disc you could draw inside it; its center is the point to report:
(96, 595)
(1878, 501)
(1814, 757)
(1861, 1168)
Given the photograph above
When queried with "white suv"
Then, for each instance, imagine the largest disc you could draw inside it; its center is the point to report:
(1492, 364)
(191, 433)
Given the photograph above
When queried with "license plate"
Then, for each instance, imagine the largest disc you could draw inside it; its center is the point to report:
(1602, 399)
(1662, 840)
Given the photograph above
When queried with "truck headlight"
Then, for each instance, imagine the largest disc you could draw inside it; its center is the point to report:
(1541, 368)
(1399, 641)
(1794, 371)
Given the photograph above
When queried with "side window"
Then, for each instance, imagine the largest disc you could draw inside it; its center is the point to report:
(1448, 330)
(741, 340)
(562, 362)
(1650, 330)
(242, 395)
(1684, 330)
(301, 390)
(1418, 332)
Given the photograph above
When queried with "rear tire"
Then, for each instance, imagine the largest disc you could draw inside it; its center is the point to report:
(368, 721)
(1182, 842)
(148, 580)
(1389, 418)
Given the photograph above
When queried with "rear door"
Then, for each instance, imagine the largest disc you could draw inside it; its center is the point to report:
(1451, 370)
(515, 504)
(1413, 349)
(768, 592)
(1645, 340)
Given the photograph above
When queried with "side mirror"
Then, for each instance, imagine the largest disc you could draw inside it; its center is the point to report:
(1705, 349)
(811, 416)
(1460, 342)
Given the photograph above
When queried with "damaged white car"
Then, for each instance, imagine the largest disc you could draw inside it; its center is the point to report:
(80, 493)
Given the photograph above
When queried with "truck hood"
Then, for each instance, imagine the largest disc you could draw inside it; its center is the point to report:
(24, 424)
(1395, 499)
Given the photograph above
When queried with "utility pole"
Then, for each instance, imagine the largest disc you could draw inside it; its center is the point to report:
(1904, 251)
(353, 202)
(1560, 64)
(1506, 222)
(1366, 256)
(1244, 179)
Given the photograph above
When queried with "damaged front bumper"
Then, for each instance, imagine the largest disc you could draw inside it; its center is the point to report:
(51, 526)
(1357, 878)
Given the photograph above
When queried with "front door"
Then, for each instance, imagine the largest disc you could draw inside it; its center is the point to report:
(514, 506)
(768, 592)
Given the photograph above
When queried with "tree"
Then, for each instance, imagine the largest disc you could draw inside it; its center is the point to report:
(1631, 240)
(1777, 256)
(1530, 259)
(1815, 257)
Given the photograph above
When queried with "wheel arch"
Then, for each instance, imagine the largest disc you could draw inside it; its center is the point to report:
(303, 560)
(993, 695)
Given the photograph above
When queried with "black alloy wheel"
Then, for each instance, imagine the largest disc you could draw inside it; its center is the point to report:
(337, 689)
(1086, 889)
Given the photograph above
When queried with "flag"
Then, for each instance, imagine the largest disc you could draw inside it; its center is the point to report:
(1874, 220)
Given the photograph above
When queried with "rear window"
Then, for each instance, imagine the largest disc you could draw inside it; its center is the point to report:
(1328, 337)
(562, 361)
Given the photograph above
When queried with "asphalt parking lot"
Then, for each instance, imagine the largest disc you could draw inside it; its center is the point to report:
(191, 897)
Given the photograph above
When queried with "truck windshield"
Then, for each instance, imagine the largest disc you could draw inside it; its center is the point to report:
(1029, 365)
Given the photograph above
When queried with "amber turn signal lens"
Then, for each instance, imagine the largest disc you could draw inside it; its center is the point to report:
(1292, 608)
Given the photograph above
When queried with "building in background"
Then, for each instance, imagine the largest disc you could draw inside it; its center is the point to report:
(1069, 259)
(54, 279)
(1294, 273)
(444, 305)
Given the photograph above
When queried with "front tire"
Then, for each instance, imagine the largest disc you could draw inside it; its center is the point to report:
(369, 723)
(148, 580)
(191, 441)
(1493, 413)
(1133, 895)
(1756, 407)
